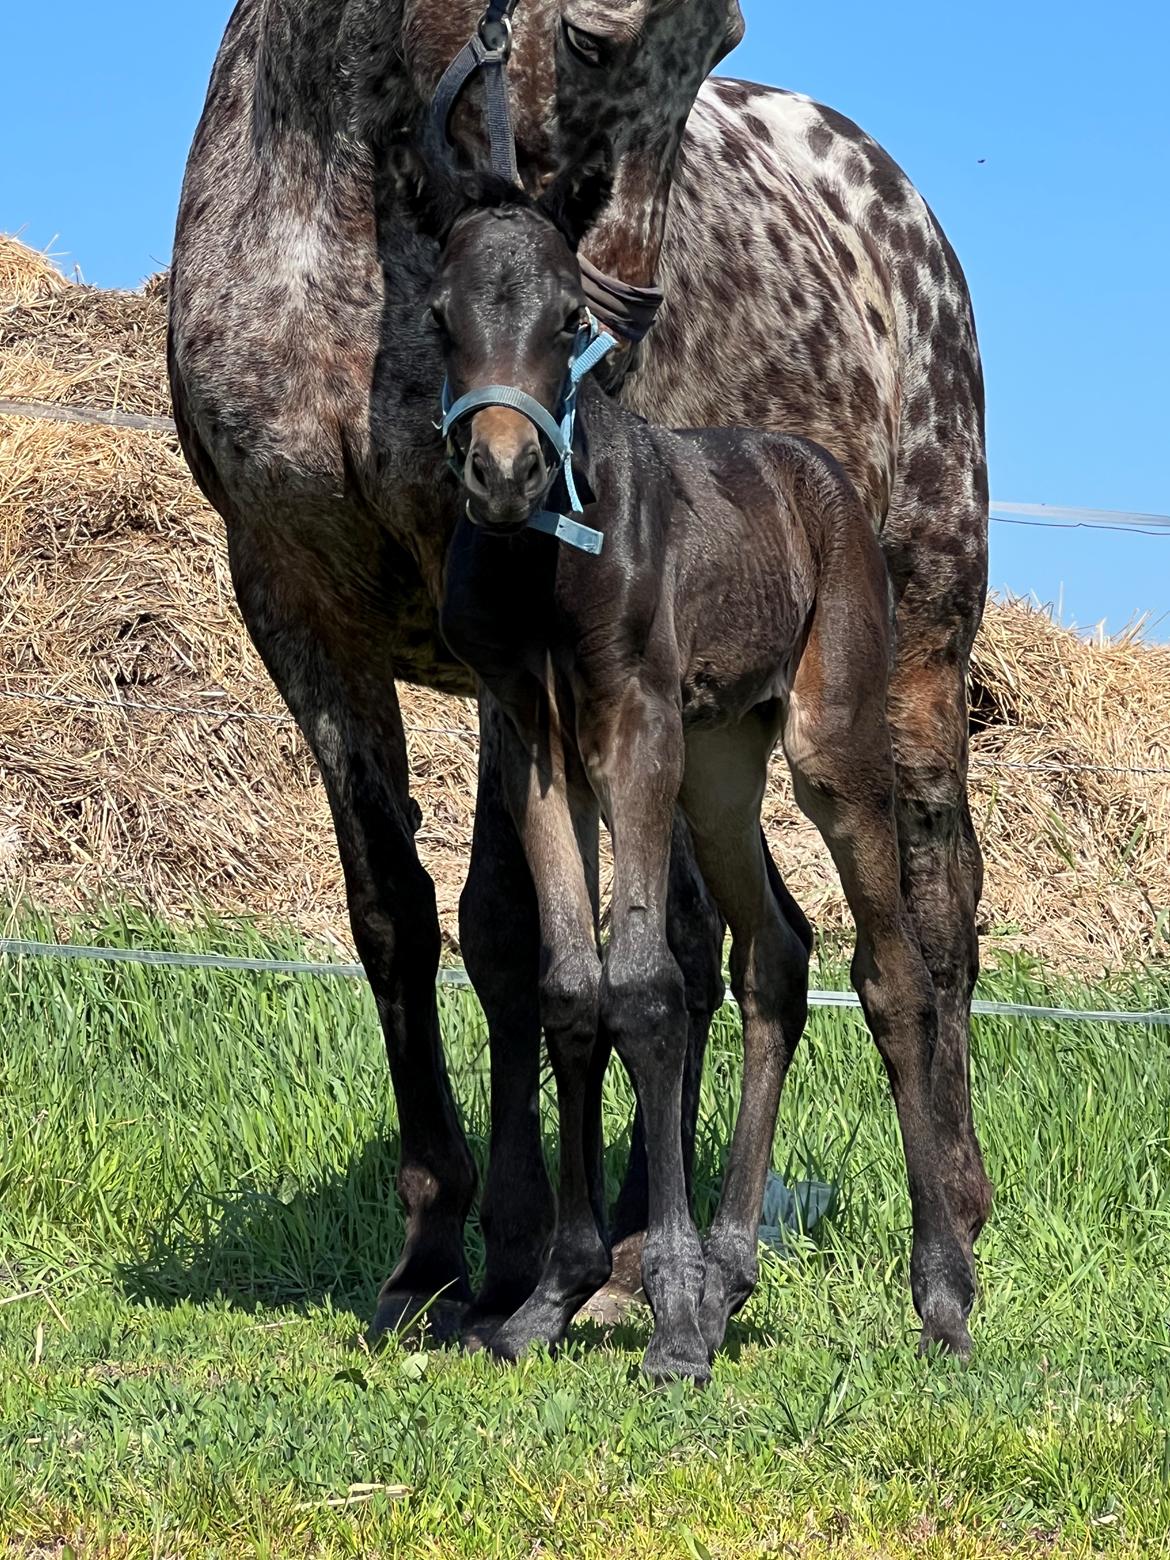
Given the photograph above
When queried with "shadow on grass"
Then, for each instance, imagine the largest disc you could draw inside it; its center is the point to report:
(333, 1240)
(292, 1245)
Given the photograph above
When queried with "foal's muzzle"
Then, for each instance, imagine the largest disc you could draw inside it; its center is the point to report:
(505, 474)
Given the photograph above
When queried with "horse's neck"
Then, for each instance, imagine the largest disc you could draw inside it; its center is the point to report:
(332, 69)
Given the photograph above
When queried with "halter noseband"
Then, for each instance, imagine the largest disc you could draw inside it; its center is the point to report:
(591, 346)
(625, 310)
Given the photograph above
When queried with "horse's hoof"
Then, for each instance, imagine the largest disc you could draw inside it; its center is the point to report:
(622, 1292)
(401, 1314)
(610, 1306)
(479, 1328)
(541, 1323)
(944, 1330)
(510, 1344)
(626, 1270)
(677, 1359)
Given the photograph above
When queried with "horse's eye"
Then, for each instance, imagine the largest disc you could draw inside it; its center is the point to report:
(573, 324)
(586, 46)
(436, 318)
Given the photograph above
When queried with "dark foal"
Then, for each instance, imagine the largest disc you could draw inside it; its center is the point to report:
(740, 599)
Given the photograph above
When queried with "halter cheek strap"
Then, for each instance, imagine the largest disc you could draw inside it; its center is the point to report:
(488, 50)
(591, 347)
(626, 311)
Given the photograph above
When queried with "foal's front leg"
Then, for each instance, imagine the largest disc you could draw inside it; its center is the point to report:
(633, 750)
(556, 817)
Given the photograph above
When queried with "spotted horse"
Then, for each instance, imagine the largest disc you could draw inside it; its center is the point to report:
(804, 286)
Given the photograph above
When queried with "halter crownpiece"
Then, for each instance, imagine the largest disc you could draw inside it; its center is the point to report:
(590, 348)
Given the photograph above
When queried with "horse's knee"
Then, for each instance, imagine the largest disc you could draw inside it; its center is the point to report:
(699, 956)
(773, 985)
(396, 926)
(694, 928)
(899, 1000)
(942, 866)
(499, 941)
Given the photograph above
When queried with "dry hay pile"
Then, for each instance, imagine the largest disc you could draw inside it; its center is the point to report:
(115, 587)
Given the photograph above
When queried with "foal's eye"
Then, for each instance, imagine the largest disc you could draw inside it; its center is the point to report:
(436, 318)
(586, 46)
(573, 324)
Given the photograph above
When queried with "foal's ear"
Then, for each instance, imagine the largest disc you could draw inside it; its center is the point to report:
(578, 196)
(431, 197)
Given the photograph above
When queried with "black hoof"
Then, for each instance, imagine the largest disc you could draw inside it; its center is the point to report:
(511, 1342)
(480, 1327)
(402, 1314)
(677, 1360)
(944, 1330)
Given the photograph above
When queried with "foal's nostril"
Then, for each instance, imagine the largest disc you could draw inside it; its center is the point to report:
(477, 470)
(530, 471)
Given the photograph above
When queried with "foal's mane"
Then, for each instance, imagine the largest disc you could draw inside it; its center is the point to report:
(488, 192)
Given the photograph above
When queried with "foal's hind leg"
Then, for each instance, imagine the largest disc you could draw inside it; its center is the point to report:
(725, 778)
(838, 746)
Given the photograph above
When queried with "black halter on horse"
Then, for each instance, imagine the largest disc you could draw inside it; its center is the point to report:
(624, 309)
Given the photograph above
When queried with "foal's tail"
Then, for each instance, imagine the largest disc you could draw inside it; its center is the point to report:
(789, 909)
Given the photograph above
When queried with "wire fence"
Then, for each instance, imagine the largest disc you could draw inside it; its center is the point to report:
(458, 978)
(1058, 516)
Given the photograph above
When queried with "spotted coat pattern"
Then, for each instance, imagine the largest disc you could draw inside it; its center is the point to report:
(809, 290)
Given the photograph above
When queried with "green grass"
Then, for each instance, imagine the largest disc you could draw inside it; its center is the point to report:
(196, 1210)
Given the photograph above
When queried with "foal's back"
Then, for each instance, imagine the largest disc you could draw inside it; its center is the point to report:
(759, 526)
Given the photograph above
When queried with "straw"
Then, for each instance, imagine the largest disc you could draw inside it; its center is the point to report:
(114, 586)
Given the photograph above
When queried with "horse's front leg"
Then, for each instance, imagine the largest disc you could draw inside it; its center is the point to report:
(632, 745)
(326, 652)
(694, 929)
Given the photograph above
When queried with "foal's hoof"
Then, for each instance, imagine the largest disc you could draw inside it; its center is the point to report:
(402, 1314)
(511, 1342)
(479, 1328)
(622, 1292)
(944, 1330)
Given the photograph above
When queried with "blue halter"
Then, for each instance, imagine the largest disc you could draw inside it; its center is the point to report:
(591, 346)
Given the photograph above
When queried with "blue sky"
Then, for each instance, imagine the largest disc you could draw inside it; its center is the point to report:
(1039, 132)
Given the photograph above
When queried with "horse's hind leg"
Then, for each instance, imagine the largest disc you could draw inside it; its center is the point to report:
(726, 774)
(321, 648)
(942, 876)
(838, 746)
(499, 934)
(935, 541)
